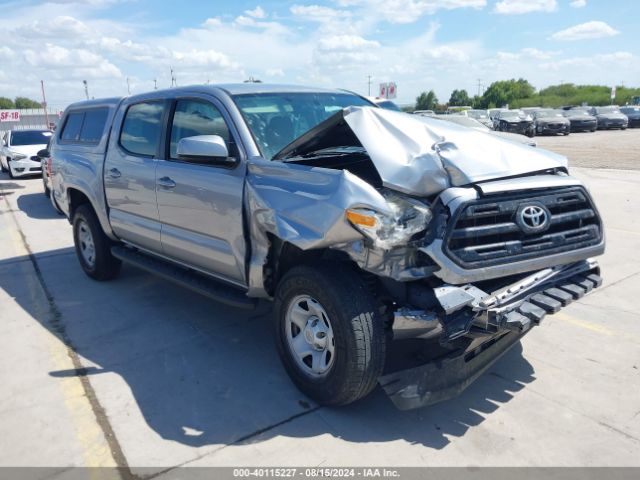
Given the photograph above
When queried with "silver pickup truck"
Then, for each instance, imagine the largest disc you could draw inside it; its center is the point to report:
(366, 227)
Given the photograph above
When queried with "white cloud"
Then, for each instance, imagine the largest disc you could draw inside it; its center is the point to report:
(526, 53)
(274, 72)
(212, 22)
(409, 11)
(518, 7)
(257, 12)
(318, 13)
(74, 62)
(584, 31)
(348, 43)
(59, 27)
(578, 3)
(447, 53)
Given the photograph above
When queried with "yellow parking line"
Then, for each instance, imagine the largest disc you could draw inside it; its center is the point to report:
(594, 327)
(95, 448)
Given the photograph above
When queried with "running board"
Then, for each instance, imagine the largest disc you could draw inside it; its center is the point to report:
(207, 286)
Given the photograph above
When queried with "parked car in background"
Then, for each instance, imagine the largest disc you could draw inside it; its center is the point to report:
(514, 121)
(551, 122)
(481, 116)
(476, 125)
(633, 114)
(610, 117)
(424, 113)
(581, 120)
(363, 225)
(18, 153)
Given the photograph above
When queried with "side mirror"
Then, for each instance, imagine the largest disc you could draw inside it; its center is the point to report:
(44, 153)
(204, 149)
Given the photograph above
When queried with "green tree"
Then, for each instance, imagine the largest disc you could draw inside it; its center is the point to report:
(506, 91)
(6, 103)
(22, 102)
(427, 101)
(459, 98)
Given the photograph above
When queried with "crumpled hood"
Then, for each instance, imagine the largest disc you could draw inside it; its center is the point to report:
(422, 156)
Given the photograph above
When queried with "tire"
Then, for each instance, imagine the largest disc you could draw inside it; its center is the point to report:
(2, 169)
(11, 175)
(359, 339)
(101, 265)
(47, 191)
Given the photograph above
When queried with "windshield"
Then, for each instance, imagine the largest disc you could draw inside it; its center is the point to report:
(464, 121)
(277, 119)
(477, 114)
(30, 138)
(607, 110)
(548, 113)
(512, 114)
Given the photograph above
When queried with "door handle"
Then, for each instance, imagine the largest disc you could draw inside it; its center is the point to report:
(166, 182)
(115, 173)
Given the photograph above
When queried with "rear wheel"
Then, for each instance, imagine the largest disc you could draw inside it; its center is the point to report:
(93, 247)
(329, 335)
(47, 192)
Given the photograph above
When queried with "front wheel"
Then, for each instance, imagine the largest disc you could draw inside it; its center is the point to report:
(9, 169)
(93, 247)
(329, 335)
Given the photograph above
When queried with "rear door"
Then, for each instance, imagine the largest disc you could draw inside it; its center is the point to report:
(129, 173)
(200, 205)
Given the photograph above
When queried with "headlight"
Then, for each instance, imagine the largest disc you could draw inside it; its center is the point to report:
(408, 217)
(17, 156)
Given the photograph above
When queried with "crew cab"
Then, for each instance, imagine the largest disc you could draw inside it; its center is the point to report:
(365, 227)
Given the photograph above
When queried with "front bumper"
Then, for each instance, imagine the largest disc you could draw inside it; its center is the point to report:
(606, 124)
(25, 167)
(552, 128)
(496, 321)
(583, 125)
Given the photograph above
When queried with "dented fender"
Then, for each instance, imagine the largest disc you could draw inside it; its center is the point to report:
(302, 205)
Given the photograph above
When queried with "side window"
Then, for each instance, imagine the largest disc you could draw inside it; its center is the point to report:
(71, 130)
(93, 125)
(141, 128)
(197, 117)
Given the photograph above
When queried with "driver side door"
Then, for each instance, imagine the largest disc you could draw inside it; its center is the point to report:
(201, 204)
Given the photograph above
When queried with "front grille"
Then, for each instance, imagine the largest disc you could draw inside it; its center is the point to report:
(485, 232)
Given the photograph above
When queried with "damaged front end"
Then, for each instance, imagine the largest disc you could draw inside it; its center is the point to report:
(466, 240)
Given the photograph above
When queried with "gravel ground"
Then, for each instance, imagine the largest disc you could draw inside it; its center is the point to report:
(602, 149)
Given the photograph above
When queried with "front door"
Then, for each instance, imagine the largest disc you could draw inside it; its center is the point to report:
(200, 205)
(130, 177)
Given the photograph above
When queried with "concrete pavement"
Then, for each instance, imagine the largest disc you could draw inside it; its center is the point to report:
(140, 373)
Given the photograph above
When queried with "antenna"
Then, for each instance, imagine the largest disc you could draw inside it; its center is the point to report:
(174, 80)
(155, 84)
(86, 89)
(128, 86)
(369, 83)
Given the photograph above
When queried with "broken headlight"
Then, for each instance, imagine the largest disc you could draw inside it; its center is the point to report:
(406, 218)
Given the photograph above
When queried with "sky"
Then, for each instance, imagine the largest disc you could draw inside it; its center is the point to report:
(119, 46)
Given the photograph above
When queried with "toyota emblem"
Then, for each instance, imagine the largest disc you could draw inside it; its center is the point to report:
(533, 218)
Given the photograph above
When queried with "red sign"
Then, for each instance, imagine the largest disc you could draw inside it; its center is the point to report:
(9, 115)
